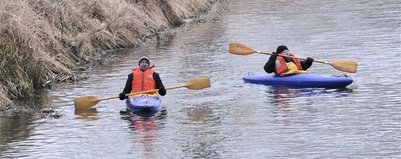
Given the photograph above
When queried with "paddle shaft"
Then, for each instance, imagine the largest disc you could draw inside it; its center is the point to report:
(268, 53)
(148, 91)
(135, 93)
(96, 100)
(108, 98)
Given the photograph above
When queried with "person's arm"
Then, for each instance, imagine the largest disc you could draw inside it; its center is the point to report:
(128, 87)
(159, 84)
(128, 84)
(270, 65)
(307, 63)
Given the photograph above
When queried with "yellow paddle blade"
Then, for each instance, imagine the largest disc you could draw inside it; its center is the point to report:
(240, 49)
(198, 83)
(85, 102)
(345, 65)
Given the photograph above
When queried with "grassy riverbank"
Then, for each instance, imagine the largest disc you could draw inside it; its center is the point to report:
(53, 41)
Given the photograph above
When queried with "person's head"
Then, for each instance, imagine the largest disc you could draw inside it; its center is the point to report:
(144, 62)
(281, 48)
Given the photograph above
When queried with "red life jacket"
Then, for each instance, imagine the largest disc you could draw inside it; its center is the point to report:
(142, 81)
(281, 64)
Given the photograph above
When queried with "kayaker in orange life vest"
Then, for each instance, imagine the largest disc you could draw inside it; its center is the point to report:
(143, 78)
(285, 66)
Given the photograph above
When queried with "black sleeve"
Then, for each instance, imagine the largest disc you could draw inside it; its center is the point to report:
(128, 84)
(159, 84)
(307, 63)
(270, 65)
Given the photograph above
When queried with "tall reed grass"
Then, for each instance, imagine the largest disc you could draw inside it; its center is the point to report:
(45, 40)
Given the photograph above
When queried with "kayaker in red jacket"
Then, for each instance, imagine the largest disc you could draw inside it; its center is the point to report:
(285, 66)
(143, 78)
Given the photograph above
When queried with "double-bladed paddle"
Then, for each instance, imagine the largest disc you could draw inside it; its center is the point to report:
(244, 49)
(196, 83)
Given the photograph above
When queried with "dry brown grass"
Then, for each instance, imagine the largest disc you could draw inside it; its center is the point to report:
(42, 40)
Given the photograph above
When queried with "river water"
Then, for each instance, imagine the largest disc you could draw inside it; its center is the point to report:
(233, 119)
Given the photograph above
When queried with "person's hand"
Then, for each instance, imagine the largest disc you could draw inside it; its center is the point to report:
(309, 59)
(162, 91)
(122, 96)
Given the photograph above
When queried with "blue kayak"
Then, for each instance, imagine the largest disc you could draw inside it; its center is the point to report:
(306, 80)
(144, 104)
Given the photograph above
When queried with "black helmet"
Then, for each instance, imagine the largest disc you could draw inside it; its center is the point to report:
(281, 48)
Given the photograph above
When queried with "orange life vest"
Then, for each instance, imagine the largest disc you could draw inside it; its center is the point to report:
(142, 81)
(281, 64)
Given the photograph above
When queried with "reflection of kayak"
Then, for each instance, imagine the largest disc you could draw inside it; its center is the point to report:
(307, 80)
(144, 103)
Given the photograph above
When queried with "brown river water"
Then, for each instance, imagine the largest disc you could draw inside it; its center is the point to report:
(233, 119)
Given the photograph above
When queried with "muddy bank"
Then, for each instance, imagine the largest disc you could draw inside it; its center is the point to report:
(44, 41)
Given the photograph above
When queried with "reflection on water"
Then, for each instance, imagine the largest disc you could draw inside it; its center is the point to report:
(145, 126)
(281, 94)
(88, 114)
(143, 121)
(142, 124)
(145, 129)
(15, 127)
(284, 99)
(200, 114)
(201, 136)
